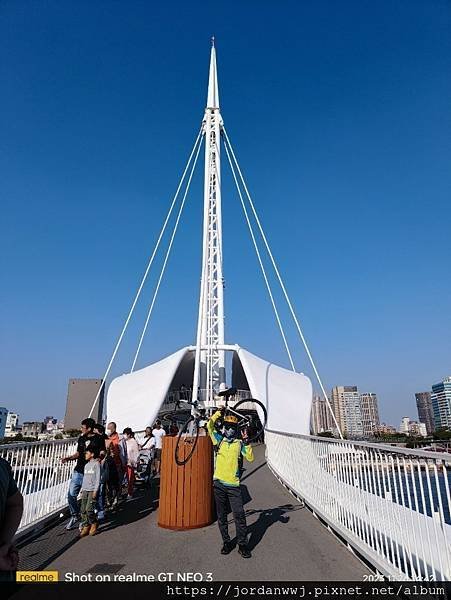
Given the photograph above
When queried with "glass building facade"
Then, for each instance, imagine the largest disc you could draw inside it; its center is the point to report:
(441, 403)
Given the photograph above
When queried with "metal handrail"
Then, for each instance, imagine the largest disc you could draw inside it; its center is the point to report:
(392, 505)
(40, 476)
(4, 447)
(444, 456)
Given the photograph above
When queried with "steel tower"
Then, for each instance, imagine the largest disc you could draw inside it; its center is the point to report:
(209, 369)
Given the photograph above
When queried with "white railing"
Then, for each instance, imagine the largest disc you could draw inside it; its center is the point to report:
(40, 476)
(390, 504)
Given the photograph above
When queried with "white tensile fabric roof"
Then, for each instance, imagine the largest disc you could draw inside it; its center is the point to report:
(134, 399)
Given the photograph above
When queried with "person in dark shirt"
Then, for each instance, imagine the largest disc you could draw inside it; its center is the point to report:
(100, 430)
(11, 509)
(88, 439)
(101, 495)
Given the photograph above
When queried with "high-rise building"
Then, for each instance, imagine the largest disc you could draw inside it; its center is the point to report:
(12, 423)
(441, 403)
(425, 411)
(3, 417)
(337, 397)
(322, 420)
(80, 397)
(370, 414)
(346, 405)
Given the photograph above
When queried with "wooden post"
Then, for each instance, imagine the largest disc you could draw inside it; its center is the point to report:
(186, 492)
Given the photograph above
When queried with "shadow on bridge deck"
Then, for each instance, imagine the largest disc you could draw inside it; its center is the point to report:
(287, 542)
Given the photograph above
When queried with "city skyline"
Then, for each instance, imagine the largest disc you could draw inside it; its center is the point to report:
(316, 396)
(96, 130)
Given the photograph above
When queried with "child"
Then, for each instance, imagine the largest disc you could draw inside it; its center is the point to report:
(89, 491)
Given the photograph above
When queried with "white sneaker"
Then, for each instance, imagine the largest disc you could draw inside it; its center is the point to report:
(129, 497)
(73, 523)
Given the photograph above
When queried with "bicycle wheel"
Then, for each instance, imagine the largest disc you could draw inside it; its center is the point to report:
(186, 441)
(252, 421)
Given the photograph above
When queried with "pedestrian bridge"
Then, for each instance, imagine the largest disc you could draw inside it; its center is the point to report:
(315, 507)
(287, 542)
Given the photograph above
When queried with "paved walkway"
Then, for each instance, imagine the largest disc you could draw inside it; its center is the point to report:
(287, 542)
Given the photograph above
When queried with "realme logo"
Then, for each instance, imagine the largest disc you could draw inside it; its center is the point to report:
(37, 576)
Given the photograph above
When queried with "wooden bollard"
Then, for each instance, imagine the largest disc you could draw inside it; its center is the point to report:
(186, 492)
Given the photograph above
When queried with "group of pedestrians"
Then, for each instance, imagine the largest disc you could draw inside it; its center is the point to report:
(105, 460)
(106, 463)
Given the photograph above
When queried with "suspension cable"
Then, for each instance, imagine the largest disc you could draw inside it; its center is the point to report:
(166, 258)
(290, 306)
(138, 293)
(268, 287)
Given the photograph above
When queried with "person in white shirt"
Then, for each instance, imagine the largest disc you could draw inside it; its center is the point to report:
(145, 439)
(132, 459)
(146, 444)
(158, 432)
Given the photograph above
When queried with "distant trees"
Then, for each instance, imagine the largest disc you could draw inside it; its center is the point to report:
(17, 438)
(442, 433)
(415, 442)
(393, 437)
(72, 432)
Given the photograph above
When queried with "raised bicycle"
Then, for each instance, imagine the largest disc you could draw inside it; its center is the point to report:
(248, 424)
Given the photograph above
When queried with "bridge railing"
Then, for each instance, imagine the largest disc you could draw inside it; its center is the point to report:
(390, 504)
(175, 396)
(40, 476)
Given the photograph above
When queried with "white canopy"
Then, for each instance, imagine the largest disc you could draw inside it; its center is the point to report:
(135, 399)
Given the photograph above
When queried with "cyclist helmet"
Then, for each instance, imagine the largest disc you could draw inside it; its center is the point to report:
(231, 419)
(230, 424)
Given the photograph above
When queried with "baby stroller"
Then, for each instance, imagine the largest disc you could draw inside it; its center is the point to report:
(143, 473)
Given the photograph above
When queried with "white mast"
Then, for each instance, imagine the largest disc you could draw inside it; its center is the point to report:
(209, 369)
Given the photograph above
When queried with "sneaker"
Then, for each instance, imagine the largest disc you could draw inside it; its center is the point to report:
(244, 551)
(101, 515)
(85, 531)
(73, 523)
(129, 497)
(93, 529)
(227, 548)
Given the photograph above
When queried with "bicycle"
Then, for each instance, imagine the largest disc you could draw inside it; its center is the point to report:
(172, 416)
(189, 434)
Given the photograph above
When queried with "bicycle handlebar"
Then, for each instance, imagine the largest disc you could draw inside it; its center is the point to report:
(187, 402)
(227, 393)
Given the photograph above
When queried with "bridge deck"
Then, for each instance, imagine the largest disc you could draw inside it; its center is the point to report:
(287, 542)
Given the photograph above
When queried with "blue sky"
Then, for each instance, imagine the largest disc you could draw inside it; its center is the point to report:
(340, 116)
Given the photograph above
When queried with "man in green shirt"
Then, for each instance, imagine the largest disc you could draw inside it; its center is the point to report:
(226, 479)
